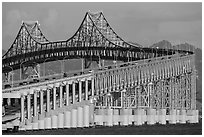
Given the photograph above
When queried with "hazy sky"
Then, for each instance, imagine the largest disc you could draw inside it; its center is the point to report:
(144, 23)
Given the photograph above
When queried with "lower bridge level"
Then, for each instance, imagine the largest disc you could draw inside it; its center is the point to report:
(161, 90)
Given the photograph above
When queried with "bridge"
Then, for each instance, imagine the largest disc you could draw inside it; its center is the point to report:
(150, 86)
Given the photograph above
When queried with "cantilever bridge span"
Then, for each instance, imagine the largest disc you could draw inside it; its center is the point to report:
(152, 85)
(94, 40)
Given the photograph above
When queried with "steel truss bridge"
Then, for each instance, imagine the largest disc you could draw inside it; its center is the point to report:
(151, 85)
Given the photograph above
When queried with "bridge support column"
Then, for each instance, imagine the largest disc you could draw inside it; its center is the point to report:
(92, 87)
(80, 119)
(74, 118)
(138, 117)
(48, 123)
(82, 64)
(193, 90)
(41, 102)
(188, 115)
(86, 115)
(162, 117)
(196, 116)
(61, 103)
(54, 121)
(191, 116)
(73, 93)
(38, 69)
(35, 111)
(67, 94)
(35, 104)
(41, 116)
(9, 101)
(60, 120)
(67, 119)
(172, 116)
(47, 120)
(130, 120)
(183, 116)
(86, 89)
(86, 63)
(28, 120)
(115, 116)
(125, 117)
(9, 77)
(80, 89)
(22, 109)
(48, 102)
(144, 115)
(178, 116)
(103, 63)
(62, 66)
(157, 116)
(109, 117)
(21, 73)
(100, 63)
(54, 97)
(151, 116)
(91, 113)
(60, 96)
(28, 109)
(99, 118)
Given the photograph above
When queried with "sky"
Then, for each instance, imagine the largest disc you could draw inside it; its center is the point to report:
(143, 23)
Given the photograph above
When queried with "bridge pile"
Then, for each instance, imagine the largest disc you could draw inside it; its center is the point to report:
(151, 86)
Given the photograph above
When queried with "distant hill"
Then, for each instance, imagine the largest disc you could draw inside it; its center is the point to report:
(185, 46)
(164, 44)
(198, 61)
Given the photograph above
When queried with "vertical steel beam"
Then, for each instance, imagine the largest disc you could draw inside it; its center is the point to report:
(73, 92)
(67, 94)
(35, 103)
(54, 97)
(193, 90)
(28, 106)
(41, 102)
(86, 89)
(80, 90)
(22, 109)
(48, 100)
(92, 87)
(61, 96)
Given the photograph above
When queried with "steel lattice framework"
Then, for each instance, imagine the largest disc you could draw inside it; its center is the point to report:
(160, 84)
(26, 40)
(94, 39)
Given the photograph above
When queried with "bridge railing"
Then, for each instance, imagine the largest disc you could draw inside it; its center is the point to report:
(19, 83)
